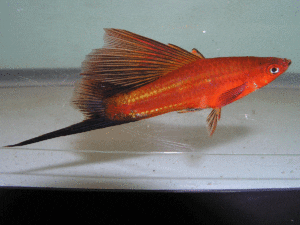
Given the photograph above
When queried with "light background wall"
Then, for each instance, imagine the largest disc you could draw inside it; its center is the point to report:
(59, 33)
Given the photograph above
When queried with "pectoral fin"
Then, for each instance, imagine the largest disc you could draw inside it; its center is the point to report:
(212, 120)
(231, 95)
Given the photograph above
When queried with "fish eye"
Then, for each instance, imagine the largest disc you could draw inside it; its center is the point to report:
(274, 70)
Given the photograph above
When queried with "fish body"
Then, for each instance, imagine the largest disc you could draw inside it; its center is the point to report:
(205, 83)
(133, 78)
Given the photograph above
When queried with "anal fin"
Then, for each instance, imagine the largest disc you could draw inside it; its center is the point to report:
(212, 120)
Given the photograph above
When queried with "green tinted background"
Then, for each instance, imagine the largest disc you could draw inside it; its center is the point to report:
(59, 33)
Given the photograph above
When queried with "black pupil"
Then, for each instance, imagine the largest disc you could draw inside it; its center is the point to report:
(274, 70)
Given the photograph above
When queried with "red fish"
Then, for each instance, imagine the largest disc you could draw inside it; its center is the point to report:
(133, 78)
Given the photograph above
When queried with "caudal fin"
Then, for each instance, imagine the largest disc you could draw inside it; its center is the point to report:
(86, 125)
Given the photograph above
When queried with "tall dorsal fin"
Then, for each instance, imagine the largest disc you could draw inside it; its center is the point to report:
(127, 61)
(131, 60)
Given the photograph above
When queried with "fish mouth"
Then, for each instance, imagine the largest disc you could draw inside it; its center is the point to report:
(288, 61)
